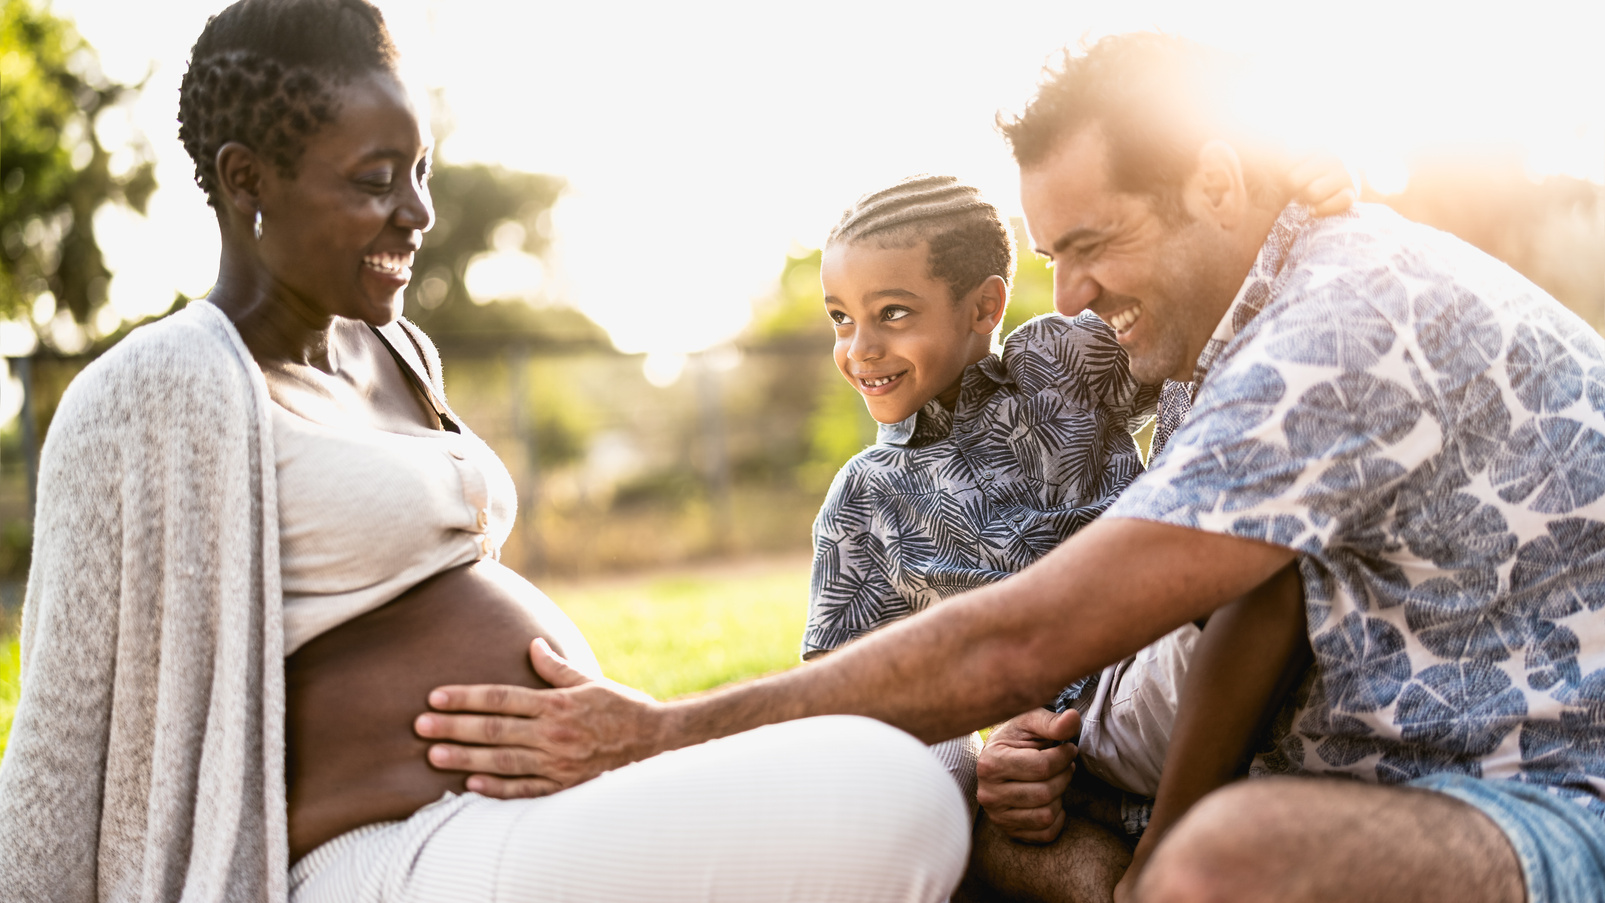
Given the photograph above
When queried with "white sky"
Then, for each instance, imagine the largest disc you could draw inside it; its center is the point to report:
(704, 140)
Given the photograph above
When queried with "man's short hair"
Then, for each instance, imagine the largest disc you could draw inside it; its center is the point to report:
(969, 240)
(1158, 98)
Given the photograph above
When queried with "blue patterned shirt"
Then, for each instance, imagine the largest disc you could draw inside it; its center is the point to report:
(1038, 445)
(1426, 429)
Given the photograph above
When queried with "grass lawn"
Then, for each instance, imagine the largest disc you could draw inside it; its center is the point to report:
(666, 634)
(692, 630)
(10, 650)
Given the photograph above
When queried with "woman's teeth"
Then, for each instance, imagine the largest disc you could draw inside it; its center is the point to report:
(1122, 321)
(389, 264)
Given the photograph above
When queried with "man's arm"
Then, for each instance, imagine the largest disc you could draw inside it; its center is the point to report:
(974, 660)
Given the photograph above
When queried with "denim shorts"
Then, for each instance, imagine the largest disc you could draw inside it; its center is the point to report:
(1560, 844)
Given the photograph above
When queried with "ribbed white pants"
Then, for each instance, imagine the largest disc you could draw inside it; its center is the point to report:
(837, 808)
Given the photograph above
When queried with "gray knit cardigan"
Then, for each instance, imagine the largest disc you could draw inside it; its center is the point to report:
(146, 761)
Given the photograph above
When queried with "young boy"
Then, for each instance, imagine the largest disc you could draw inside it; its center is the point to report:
(987, 460)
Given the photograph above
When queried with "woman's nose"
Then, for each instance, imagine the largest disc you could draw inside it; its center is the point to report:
(417, 210)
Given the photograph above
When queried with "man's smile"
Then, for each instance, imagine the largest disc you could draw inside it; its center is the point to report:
(1121, 321)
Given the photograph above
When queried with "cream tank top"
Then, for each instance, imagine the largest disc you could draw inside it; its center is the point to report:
(365, 514)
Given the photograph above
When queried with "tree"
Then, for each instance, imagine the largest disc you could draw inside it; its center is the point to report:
(54, 173)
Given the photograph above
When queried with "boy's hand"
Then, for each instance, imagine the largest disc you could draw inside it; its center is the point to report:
(1322, 183)
(1024, 771)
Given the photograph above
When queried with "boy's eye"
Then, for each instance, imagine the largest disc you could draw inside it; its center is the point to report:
(895, 313)
(839, 318)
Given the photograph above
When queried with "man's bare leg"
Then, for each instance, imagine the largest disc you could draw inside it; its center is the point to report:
(1318, 840)
(1081, 866)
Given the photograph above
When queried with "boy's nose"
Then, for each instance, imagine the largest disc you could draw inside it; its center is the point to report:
(865, 346)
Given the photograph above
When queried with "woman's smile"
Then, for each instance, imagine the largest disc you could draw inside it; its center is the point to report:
(392, 269)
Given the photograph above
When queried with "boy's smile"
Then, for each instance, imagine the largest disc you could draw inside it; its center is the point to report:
(901, 337)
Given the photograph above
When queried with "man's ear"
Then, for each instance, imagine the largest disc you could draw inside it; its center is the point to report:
(1217, 190)
(990, 299)
(239, 177)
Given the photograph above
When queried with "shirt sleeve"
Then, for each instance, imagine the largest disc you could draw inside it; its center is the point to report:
(1081, 356)
(849, 592)
(1298, 436)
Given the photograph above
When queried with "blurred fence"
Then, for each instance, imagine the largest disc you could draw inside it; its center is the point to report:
(733, 457)
(613, 473)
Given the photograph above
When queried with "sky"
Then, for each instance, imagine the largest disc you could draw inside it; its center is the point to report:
(704, 141)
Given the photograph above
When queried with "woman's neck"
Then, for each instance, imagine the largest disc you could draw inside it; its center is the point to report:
(276, 324)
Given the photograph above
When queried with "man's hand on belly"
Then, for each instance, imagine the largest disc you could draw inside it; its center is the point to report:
(518, 742)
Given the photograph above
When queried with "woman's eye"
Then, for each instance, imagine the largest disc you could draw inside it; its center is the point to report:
(379, 181)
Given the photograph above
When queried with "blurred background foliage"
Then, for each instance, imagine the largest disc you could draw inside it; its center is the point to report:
(54, 170)
(623, 462)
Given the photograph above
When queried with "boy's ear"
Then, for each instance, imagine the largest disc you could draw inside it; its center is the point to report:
(990, 298)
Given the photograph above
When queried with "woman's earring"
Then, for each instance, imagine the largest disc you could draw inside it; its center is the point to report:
(258, 228)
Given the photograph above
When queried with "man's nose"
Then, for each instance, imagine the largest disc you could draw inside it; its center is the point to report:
(1073, 290)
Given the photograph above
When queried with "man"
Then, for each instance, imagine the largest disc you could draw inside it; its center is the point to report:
(1415, 424)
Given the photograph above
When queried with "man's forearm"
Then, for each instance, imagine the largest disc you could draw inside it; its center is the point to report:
(991, 653)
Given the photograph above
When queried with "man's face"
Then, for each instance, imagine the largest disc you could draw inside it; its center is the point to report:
(1112, 253)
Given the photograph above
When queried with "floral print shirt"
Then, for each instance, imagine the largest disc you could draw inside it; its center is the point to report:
(1426, 429)
(1038, 445)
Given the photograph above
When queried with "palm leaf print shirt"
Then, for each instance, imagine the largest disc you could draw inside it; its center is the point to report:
(1425, 428)
(1037, 445)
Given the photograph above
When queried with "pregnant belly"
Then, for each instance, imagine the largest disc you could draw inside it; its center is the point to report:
(352, 693)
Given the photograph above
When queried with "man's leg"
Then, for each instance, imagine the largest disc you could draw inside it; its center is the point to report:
(1081, 866)
(1316, 840)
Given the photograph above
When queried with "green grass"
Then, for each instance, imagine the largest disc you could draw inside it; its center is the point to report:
(667, 635)
(674, 635)
(10, 653)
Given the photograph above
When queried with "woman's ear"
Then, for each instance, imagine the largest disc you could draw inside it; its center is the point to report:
(239, 177)
(990, 299)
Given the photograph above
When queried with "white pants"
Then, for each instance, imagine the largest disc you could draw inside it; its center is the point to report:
(1126, 732)
(833, 808)
(959, 756)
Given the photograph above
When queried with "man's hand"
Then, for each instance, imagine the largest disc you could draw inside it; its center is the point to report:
(535, 742)
(1023, 773)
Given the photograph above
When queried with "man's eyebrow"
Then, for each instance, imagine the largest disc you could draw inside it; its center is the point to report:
(1068, 239)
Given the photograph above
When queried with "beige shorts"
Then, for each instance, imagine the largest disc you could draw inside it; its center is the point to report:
(1126, 731)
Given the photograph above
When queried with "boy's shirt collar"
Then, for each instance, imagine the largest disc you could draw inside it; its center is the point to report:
(934, 421)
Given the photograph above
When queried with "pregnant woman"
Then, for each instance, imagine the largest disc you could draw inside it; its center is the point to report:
(263, 536)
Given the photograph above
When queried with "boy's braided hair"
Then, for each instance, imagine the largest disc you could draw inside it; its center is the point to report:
(263, 73)
(969, 240)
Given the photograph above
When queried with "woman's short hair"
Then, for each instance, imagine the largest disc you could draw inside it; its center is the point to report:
(969, 239)
(263, 73)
